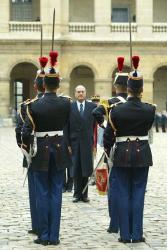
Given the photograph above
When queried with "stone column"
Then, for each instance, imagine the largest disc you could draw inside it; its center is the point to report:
(144, 14)
(103, 87)
(64, 86)
(46, 10)
(148, 91)
(103, 16)
(5, 16)
(4, 97)
(65, 16)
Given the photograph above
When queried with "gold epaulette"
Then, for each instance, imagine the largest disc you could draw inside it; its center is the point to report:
(105, 104)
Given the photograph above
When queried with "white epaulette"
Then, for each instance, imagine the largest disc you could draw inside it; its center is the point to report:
(121, 100)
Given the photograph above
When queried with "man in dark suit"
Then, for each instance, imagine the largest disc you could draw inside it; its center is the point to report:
(46, 118)
(130, 122)
(80, 142)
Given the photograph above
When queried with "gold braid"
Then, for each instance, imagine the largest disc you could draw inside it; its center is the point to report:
(30, 117)
(21, 116)
(111, 123)
(105, 105)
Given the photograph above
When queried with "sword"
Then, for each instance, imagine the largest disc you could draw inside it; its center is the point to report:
(102, 156)
(53, 29)
(41, 41)
(130, 38)
(28, 159)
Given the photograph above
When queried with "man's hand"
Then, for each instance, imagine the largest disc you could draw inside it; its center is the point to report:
(94, 151)
(25, 147)
(19, 145)
(70, 150)
(102, 125)
(107, 152)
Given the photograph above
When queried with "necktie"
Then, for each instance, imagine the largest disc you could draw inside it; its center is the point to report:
(81, 109)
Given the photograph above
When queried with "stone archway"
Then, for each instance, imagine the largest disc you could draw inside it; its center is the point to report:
(126, 69)
(21, 83)
(160, 88)
(82, 75)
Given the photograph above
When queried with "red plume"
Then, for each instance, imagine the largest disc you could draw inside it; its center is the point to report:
(135, 60)
(120, 61)
(43, 61)
(53, 58)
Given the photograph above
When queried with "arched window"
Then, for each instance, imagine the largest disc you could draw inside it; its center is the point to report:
(22, 83)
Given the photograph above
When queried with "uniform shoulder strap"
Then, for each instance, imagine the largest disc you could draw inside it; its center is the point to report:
(151, 104)
(122, 99)
(115, 104)
(32, 100)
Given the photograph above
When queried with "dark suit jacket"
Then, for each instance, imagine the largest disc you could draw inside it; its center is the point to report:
(80, 137)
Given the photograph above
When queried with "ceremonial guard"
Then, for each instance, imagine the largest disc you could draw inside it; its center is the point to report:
(46, 118)
(129, 126)
(120, 84)
(38, 86)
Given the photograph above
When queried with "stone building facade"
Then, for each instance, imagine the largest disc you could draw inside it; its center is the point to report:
(89, 35)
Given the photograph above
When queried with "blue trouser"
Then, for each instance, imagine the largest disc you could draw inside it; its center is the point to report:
(32, 199)
(131, 185)
(49, 199)
(112, 202)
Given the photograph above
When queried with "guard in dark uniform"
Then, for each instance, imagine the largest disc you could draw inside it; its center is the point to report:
(120, 85)
(129, 126)
(38, 86)
(46, 118)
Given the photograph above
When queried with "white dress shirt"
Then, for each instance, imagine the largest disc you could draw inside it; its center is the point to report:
(79, 103)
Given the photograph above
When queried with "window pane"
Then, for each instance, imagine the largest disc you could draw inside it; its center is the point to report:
(120, 15)
(21, 10)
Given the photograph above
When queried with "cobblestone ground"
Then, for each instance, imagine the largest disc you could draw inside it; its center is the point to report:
(83, 226)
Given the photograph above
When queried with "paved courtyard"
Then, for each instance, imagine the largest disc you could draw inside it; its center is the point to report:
(83, 226)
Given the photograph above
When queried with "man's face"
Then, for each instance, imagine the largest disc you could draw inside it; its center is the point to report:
(80, 93)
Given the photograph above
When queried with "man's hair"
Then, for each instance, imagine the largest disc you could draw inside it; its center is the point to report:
(78, 86)
(39, 83)
(136, 92)
(121, 88)
(51, 83)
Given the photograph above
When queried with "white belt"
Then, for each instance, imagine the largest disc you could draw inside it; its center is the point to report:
(131, 138)
(49, 133)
